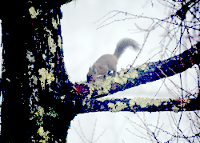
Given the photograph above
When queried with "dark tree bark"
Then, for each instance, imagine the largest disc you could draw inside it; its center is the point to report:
(34, 77)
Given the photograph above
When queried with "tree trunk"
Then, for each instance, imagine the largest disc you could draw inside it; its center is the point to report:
(37, 103)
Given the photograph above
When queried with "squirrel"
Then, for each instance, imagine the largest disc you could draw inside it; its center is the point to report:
(108, 62)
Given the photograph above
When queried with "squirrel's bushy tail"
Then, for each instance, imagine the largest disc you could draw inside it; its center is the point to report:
(123, 44)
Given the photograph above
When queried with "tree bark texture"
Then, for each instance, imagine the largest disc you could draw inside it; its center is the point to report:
(37, 95)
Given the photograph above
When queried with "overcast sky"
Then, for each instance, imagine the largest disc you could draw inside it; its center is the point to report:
(84, 43)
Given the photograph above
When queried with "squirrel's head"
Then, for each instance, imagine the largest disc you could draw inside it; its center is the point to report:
(92, 75)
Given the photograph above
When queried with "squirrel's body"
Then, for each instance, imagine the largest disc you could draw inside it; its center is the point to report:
(108, 62)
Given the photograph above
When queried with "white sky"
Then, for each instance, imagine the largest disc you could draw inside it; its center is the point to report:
(84, 44)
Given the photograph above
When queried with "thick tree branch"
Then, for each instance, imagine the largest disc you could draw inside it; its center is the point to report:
(139, 104)
(135, 76)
